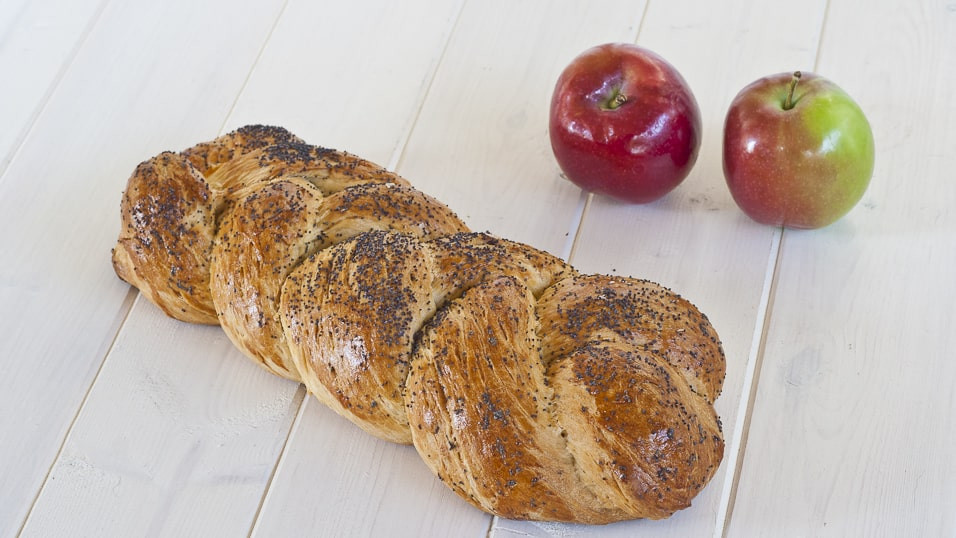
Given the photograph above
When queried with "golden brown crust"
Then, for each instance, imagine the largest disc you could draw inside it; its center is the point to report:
(644, 444)
(534, 392)
(362, 302)
(386, 206)
(478, 407)
(260, 240)
(328, 169)
(208, 156)
(350, 313)
(275, 225)
(168, 214)
(642, 313)
(465, 260)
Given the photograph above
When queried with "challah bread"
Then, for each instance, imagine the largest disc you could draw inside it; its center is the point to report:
(532, 391)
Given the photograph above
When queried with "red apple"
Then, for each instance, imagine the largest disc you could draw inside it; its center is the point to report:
(798, 151)
(624, 123)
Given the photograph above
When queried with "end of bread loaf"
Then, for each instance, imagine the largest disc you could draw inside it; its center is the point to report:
(602, 427)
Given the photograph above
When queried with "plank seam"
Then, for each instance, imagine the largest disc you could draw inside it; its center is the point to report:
(399, 154)
(27, 128)
(751, 379)
(580, 213)
(252, 68)
(823, 25)
(755, 363)
(302, 396)
(640, 25)
(128, 302)
(491, 526)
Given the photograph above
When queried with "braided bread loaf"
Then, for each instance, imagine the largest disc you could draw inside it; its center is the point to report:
(532, 391)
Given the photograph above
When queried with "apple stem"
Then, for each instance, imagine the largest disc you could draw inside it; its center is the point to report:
(788, 104)
(616, 101)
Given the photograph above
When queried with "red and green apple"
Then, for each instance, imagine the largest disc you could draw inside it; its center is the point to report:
(798, 151)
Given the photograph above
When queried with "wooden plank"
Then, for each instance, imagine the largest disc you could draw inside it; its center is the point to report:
(148, 78)
(37, 42)
(337, 480)
(322, 77)
(178, 437)
(853, 430)
(695, 240)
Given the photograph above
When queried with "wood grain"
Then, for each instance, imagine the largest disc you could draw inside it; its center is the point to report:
(853, 423)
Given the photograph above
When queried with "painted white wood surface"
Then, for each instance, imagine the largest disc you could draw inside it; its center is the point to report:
(850, 430)
(37, 42)
(854, 421)
(178, 437)
(349, 76)
(147, 78)
(695, 240)
(336, 480)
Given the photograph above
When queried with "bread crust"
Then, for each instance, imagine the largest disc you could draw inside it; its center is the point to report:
(531, 390)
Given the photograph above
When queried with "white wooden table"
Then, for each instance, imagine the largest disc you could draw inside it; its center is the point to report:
(839, 406)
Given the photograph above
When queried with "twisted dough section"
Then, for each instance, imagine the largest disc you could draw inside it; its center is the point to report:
(208, 234)
(169, 211)
(271, 229)
(352, 313)
(532, 391)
